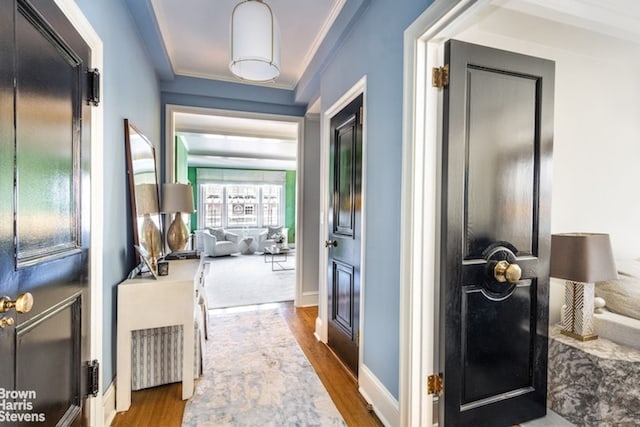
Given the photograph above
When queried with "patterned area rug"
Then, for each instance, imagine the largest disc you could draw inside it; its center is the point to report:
(247, 280)
(255, 374)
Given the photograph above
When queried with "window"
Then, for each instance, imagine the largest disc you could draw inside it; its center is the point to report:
(240, 205)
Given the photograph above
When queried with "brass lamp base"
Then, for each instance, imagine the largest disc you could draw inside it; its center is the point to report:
(178, 234)
(579, 337)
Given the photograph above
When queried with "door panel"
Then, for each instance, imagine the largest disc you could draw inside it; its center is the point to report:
(344, 231)
(44, 207)
(497, 138)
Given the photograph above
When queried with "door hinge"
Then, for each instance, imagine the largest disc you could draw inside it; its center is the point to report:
(358, 338)
(93, 378)
(440, 76)
(93, 77)
(361, 116)
(435, 384)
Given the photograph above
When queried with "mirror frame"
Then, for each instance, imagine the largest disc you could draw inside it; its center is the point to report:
(149, 151)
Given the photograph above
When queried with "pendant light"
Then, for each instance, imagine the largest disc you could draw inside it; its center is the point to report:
(255, 42)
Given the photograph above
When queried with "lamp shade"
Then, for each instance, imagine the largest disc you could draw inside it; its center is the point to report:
(255, 42)
(177, 198)
(582, 257)
(146, 199)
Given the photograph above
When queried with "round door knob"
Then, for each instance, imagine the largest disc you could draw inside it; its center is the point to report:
(22, 304)
(328, 243)
(505, 272)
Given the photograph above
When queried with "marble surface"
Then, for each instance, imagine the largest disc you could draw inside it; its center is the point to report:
(593, 383)
(255, 374)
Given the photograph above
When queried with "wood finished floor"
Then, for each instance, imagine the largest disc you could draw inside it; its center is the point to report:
(163, 406)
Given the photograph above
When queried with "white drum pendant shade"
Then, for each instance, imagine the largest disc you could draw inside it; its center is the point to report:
(255, 42)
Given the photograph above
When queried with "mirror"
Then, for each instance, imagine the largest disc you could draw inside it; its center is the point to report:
(143, 186)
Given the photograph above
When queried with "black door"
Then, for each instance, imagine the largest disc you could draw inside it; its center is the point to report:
(497, 147)
(343, 276)
(44, 213)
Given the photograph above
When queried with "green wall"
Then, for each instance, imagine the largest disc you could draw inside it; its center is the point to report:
(181, 161)
(290, 199)
(290, 205)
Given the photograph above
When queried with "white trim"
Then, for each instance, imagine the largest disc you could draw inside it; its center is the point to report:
(308, 299)
(109, 401)
(322, 322)
(421, 198)
(169, 151)
(90, 36)
(386, 407)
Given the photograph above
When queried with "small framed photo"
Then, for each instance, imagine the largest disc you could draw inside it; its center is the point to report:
(144, 256)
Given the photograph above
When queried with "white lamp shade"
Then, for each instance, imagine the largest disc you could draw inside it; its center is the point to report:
(255, 42)
(177, 198)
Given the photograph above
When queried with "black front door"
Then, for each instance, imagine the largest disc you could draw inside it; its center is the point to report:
(344, 233)
(497, 147)
(44, 214)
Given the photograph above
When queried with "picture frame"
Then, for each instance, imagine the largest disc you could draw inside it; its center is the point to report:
(146, 260)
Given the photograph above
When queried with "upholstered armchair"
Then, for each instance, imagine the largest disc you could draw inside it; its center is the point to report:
(266, 237)
(216, 242)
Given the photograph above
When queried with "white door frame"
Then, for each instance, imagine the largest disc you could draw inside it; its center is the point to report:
(169, 153)
(420, 204)
(95, 410)
(322, 322)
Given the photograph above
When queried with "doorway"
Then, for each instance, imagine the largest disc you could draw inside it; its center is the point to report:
(46, 257)
(247, 173)
(574, 122)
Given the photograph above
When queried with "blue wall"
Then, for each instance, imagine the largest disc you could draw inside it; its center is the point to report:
(374, 47)
(130, 90)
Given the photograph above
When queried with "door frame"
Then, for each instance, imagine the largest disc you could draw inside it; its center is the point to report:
(421, 191)
(322, 323)
(170, 159)
(95, 408)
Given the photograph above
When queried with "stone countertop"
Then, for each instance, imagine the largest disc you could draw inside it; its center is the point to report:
(593, 383)
(601, 347)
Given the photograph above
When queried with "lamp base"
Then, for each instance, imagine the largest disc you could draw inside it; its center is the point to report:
(579, 337)
(177, 235)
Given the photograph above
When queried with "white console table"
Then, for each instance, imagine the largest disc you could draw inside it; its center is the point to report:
(145, 303)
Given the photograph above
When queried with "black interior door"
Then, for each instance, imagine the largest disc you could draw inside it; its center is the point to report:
(497, 148)
(44, 212)
(345, 233)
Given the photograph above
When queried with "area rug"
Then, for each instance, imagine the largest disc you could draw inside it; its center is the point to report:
(247, 280)
(255, 374)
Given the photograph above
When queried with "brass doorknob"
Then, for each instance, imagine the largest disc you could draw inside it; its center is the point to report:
(328, 243)
(505, 272)
(6, 321)
(22, 304)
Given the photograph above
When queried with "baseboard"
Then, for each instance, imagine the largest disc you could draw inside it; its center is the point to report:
(309, 299)
(109, 403)
(317, 332)
(384, 404)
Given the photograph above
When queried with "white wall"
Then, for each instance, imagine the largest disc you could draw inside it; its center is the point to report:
(597, 127)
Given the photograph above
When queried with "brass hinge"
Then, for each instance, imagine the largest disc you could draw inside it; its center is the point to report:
(358, 338)
(361, 115)
(434, 384)
(440, 76)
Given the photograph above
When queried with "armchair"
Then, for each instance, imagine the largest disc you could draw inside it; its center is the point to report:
(217, 242)
(265, 238)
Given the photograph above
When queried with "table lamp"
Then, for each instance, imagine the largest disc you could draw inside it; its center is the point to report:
(146, 206)
(178, 199)
(581, 259)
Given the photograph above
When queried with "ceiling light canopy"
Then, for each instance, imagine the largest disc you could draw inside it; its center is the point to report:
(255, 42)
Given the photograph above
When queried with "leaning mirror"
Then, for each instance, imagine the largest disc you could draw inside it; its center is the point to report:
(143, 185)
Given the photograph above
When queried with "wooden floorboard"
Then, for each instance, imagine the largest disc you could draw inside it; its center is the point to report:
(163, 406)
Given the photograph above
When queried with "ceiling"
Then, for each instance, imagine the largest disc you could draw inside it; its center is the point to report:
(238, 142)
(196, 35)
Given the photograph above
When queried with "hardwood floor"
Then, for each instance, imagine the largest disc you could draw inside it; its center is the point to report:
(162, 406)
